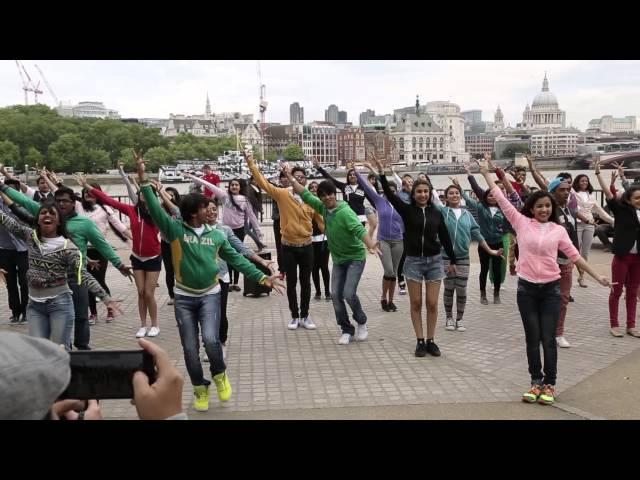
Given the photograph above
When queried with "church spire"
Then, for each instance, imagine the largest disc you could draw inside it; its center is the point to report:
(545, 83)
(417, 104)
(207, 110)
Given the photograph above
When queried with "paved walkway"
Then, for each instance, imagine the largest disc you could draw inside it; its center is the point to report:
(277, 373)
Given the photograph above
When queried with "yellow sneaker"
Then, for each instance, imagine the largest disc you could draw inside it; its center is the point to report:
(548, 395)
(223, 386)
(533, 394)
(201, 398)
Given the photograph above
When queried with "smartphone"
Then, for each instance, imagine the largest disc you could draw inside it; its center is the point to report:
(107, 374)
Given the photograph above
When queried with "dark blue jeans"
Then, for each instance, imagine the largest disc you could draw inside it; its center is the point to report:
(539, 305)
(193, 314)
(345, 278)
(81, 331)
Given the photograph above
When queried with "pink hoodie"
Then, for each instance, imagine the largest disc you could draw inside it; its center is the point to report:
(538, 243)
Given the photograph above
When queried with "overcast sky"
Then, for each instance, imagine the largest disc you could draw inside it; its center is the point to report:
(155, 88)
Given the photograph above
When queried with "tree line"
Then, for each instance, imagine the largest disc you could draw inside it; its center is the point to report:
(38, 135)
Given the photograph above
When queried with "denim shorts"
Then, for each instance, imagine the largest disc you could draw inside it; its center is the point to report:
(428, 269)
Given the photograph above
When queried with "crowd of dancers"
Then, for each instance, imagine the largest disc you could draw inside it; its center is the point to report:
(54, 255)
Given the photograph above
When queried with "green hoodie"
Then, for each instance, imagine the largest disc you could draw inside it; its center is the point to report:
(344, 231)
(81, 229)
(461, 231)
(195, 257)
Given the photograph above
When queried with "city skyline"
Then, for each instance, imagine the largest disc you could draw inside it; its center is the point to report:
(152, 88)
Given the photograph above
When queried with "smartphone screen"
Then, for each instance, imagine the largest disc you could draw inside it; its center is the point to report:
(107, 374)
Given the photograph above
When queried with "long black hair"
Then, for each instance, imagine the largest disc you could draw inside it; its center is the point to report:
(241, 192)
(533, 198)
(51, 207)
(142, 210)
(576, 183)
(89, 207)
(626, 196)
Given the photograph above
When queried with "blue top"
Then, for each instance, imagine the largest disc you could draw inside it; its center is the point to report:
(390, 224)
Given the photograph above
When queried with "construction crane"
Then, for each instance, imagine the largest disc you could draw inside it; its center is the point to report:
(44, 79)
(25, 85)
(28, 85)
(263, 108)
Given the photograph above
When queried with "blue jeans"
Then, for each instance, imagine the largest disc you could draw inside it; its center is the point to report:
(52, 319)
(193, 314)
(344, 283)
(539, 305)
(81, 332)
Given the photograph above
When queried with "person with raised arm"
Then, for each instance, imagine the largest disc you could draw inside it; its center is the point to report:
(352, 193)
(82, 231)
(425, 234)
(320, 255)
(538, 297)
(346, 238)
(390, 235)
(297, 244)
(493, 227)
(145, 255)
(462, 229)
(625, 266)
(237, 211)
(196, 247)
(53, 258)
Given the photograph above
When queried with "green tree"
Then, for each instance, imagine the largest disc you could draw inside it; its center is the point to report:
(293, 153)
(33, 157)
(97, 161)
(158, 156)
(67, 154)
(271, 157)
(9, 153)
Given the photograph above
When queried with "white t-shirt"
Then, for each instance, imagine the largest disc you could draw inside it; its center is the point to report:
(634, 249)
(493, 211)
(51, 244)
(457, 212)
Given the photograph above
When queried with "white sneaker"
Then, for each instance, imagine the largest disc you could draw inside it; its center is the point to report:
(450, 325)
(362, 332)
(402, 289)
(562, 342)
(307, 323)
(153, 332)
(460, 326)
(344, 339)
(142, 332)
(293, 324)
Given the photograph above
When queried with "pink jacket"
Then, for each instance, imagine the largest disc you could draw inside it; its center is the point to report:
(538, 243)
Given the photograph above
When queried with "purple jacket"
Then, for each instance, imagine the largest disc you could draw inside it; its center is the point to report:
(390, 224)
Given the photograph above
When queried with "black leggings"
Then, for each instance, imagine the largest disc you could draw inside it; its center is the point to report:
(168, 267)
(99, 274)
(321, 263)
(234, 275)
(496, 267)
(401, 267)
(224, 323)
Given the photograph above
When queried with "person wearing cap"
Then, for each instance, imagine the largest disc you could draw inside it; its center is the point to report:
(34, 372)
(560, 188)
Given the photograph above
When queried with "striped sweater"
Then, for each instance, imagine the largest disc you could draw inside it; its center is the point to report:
(48, 272)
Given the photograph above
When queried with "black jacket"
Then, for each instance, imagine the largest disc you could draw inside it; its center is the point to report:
(568, 220)
(626, 229)
(424, 227)
(354, 195)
